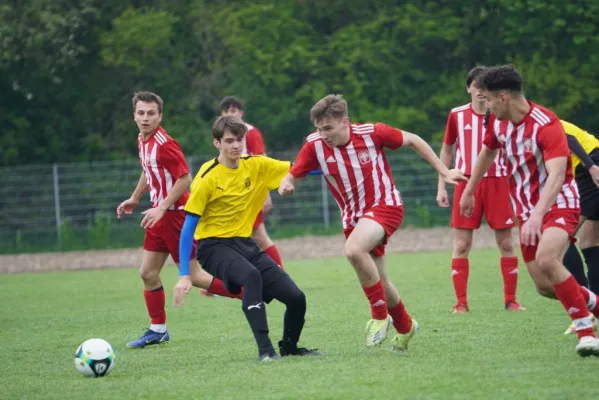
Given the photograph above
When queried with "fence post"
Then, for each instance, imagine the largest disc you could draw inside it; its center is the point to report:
(190, 162)
(325, 202)
(57, 204)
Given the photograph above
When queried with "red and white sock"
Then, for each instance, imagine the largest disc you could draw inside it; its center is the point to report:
(569, 294)
(273, 253)
(509, 270)
(402, 322)
(377, 299)
(460, 269)
(155, 301)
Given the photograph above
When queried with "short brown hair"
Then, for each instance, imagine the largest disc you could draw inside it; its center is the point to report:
(474, 73)
(231, 102)
(332, 105)
(147, 97)
(228, 123)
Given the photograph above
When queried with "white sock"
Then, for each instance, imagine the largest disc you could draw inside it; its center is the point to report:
(592, 299)
(158, 328)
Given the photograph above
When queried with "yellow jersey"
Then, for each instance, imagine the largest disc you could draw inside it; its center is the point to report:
(588, 141)
(229, 200)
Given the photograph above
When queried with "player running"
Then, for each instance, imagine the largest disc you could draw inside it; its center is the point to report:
(465, 128)
(226, 196)
(353, 161)
(543, 192)
(166, 175)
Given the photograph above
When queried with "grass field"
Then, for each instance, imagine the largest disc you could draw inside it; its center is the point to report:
(488, 353)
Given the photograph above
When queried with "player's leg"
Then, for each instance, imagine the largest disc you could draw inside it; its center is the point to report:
(549, 258)
(264, 241)
(589, 245)
(367, 235)
(278, 285)
(462, 244)
(509, 268)
(403, 323)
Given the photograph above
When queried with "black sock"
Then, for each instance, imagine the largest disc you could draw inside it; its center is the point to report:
(574, 264)
(591, 257)
(255, 310)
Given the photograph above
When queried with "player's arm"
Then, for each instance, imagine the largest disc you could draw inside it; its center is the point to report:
(449, 138)
(577, 149)
(128, 205)
(186, 242)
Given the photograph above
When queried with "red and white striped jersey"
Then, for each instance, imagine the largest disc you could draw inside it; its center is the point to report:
(528, 146)
(163, 162)
(465, 128)
(358, 174)
(253, 143)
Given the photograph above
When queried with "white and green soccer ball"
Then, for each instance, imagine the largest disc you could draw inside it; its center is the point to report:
(95, 358)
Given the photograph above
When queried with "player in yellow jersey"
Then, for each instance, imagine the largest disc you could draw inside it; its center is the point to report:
(584, 148)
(227, 194)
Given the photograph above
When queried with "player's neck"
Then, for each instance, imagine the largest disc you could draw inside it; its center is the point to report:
(479, 107)
(145, 136)
(519, 109)
(228, 162)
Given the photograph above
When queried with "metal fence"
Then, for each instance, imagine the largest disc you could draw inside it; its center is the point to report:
(72, 206)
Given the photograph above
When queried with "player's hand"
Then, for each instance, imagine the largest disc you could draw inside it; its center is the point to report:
(442, 198)
(181, 289)
(467, 204)
(126, 207)
(531, 230)
(453, 176)
(594, 172)
(151, 217)
(286, 188)
(267, 207)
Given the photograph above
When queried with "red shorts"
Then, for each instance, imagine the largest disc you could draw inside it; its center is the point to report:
(389, 217)
(492, 197)
(259, 220)
(564, 219)
(164, 236)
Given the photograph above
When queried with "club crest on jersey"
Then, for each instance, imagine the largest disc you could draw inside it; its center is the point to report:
(501, 138)
(527, 145)
(364, 157)
(248, 183)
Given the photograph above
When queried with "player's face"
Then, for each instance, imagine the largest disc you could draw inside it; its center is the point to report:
(334, 131)
(233, 111)
(147, 117)
(230, 146)
(475, 93)
(497, 103)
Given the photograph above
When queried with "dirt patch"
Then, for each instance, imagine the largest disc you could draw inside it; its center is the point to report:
(305, 247)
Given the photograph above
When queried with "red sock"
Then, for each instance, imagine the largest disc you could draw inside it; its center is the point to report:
(591, 299)
(155, 301)
(509, 270)
(459, 275)
(273, 253)
(569, 294)
(401, 319)
(378, 300)
(218, 287)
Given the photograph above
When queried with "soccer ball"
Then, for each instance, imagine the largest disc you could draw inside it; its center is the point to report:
(95, 358)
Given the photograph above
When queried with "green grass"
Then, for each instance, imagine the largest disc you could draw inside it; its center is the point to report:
(488, 353)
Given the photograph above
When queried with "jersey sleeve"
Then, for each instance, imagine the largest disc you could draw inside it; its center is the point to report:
(171, 157)
(255, 142)
(451, 130)
(305, 161)
(200, 193)
(388, 136)
(552, 141)
(490, 139)
(273, 171)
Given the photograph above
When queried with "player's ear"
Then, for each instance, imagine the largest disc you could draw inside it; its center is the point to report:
(216, 143)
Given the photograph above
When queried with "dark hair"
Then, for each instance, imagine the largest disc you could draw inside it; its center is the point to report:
(486, 118)
(147, 97)
(475, 73)
(332, 105)
(228, 123)
(504, 77)
(231, 102)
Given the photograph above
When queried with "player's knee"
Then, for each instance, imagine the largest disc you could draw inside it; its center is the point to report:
(252, 278)
(297, 300)
(353, 252)
(149, 275)
(461, 247)
(505, 244)
(547, 262)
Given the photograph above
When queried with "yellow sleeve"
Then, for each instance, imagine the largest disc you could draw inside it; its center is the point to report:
(201, 192)
(273, 171)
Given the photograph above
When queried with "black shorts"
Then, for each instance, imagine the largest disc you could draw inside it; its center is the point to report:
(589, 192)
(222, 258)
